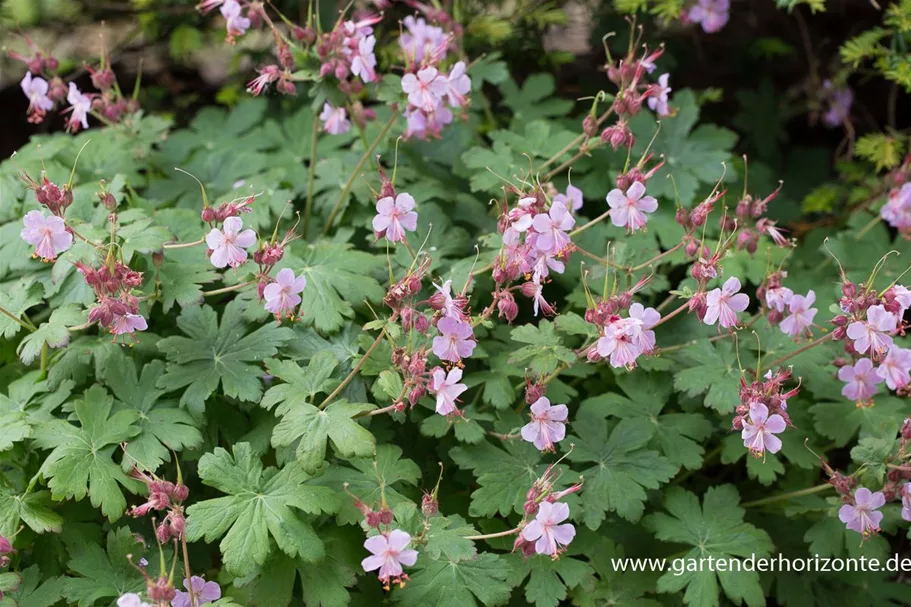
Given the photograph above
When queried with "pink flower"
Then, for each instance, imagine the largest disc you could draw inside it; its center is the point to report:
(426, 89)
(658, 101)
(389, 554)
(902, 293)
(447, 389)
(648, 318)
(906, 501)
(546, 531)
(759, 430)
(537, 294)
(47, 234)
(445, 303)
(364, 62)
(571, 200)
(802, 314)
(873, 334)
(228, 246)
(35, 88)
(724, 303)
(895, 368)
(860, 380)
(547, 426)
(897, 210)
(131, 599)
(128, 323)
(421, 40)
(80, 105)
(282, 295)
(551, 228)
(234, 23)
(205, 592)
(454, 342)
(863, 517)
(629, 210)
(394, 217)
(778, 298)
(522, 216)
(334, 119)
(619, 342)
(458, 85)
(712, 14)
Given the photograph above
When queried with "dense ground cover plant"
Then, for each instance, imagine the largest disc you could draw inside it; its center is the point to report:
(386, 344)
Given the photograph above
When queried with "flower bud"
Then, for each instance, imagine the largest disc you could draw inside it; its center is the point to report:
(848, 289)
(692, 247)
(421, 323)
(178, 524)
(592, 356)
(208, 214)
(180, 493)
(529, 289)
(163, 533)
(429, 505)
(507, 307)
(386, 516)
(407, 316)
(534, 391)
(437, 301)
(6, 546)
(590, 126)
(416, 394)
(160, 590)
(906, 429)
(372, 519)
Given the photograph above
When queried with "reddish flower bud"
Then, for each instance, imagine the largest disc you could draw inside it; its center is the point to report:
(6, 546)
(534, 391)
(208, 215)
(180, 493)
(590, 126)
(507, 307)
(421, 323)
(848, 289)
(385, 516)
(429, 505)
(906, 429)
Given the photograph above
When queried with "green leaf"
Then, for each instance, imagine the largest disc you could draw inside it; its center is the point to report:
(32, 508)
(104, 575)
(715, 530)
(81, 460)
(35, 590)
(338, 278)
(548, 579)
(872, 453)
(677, 434)
(162, 427)
(622, 467)
(369, 480)
(446, 583)
(711, 370)
(535, 99)
(259, 504)
(16, 298)
(301, 385)
(544, 351)
(842, 421)
(181, 282)
(613, 587)
(214, 354)
(54, 333)
(311, 427)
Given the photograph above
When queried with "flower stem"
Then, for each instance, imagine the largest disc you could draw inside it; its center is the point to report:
(667, 317)
(800, 350)
(182, 245)
(354, 371)
(311, 175)
(350, 183)
(597, 219)
(491, 536)
(657, 258)
(569, 162)
(26, 325)
(236, 287)
(786, 496)
(186, 568)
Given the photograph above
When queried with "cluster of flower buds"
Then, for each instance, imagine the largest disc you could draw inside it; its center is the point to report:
(346, 52)
(45, 90)
(629, 74)
(546, 533)
(750, 223)
(432, 93)
(163, 496)
(763, 411)
(117, 309)
(388, 547)
(6, 549)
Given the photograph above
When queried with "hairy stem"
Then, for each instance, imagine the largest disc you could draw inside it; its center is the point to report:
(657, 258)
(490, 536)
(350, 183)
(236, 287)
(182, 245)
(186, 569)
(800, 350)
(786, 496)
(667, 317)
(311, 175)
(25, 325)
(594, 221)
(357, 368)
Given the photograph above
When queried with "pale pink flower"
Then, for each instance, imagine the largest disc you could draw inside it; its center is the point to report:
(35, 88)
(454, 342)
(234, 22)
(648, 318)
(864, 516)
(895, 367)
(426, 90)
(860, 380)
(711, 14)
(629, 210)
(458, 85)
(522, 216)
(445, 303)
(447, 389)
(540, 304)
(778, 298)
(228, 246)
(547, 532)
(658, 101)
(902, 294)
(282, 295)
(395, 216)
(420, 40)
(131, 599)
(619, 342)
(48, 235)
(873, 334)
(547, 426)
(572, 199)
(364, 62)
(801, 317)
(759, 430)
(128, 323)
(724, 303)
(205, 592)
(389, 554)
(80, 105)
(551, 228)
(335, 120)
